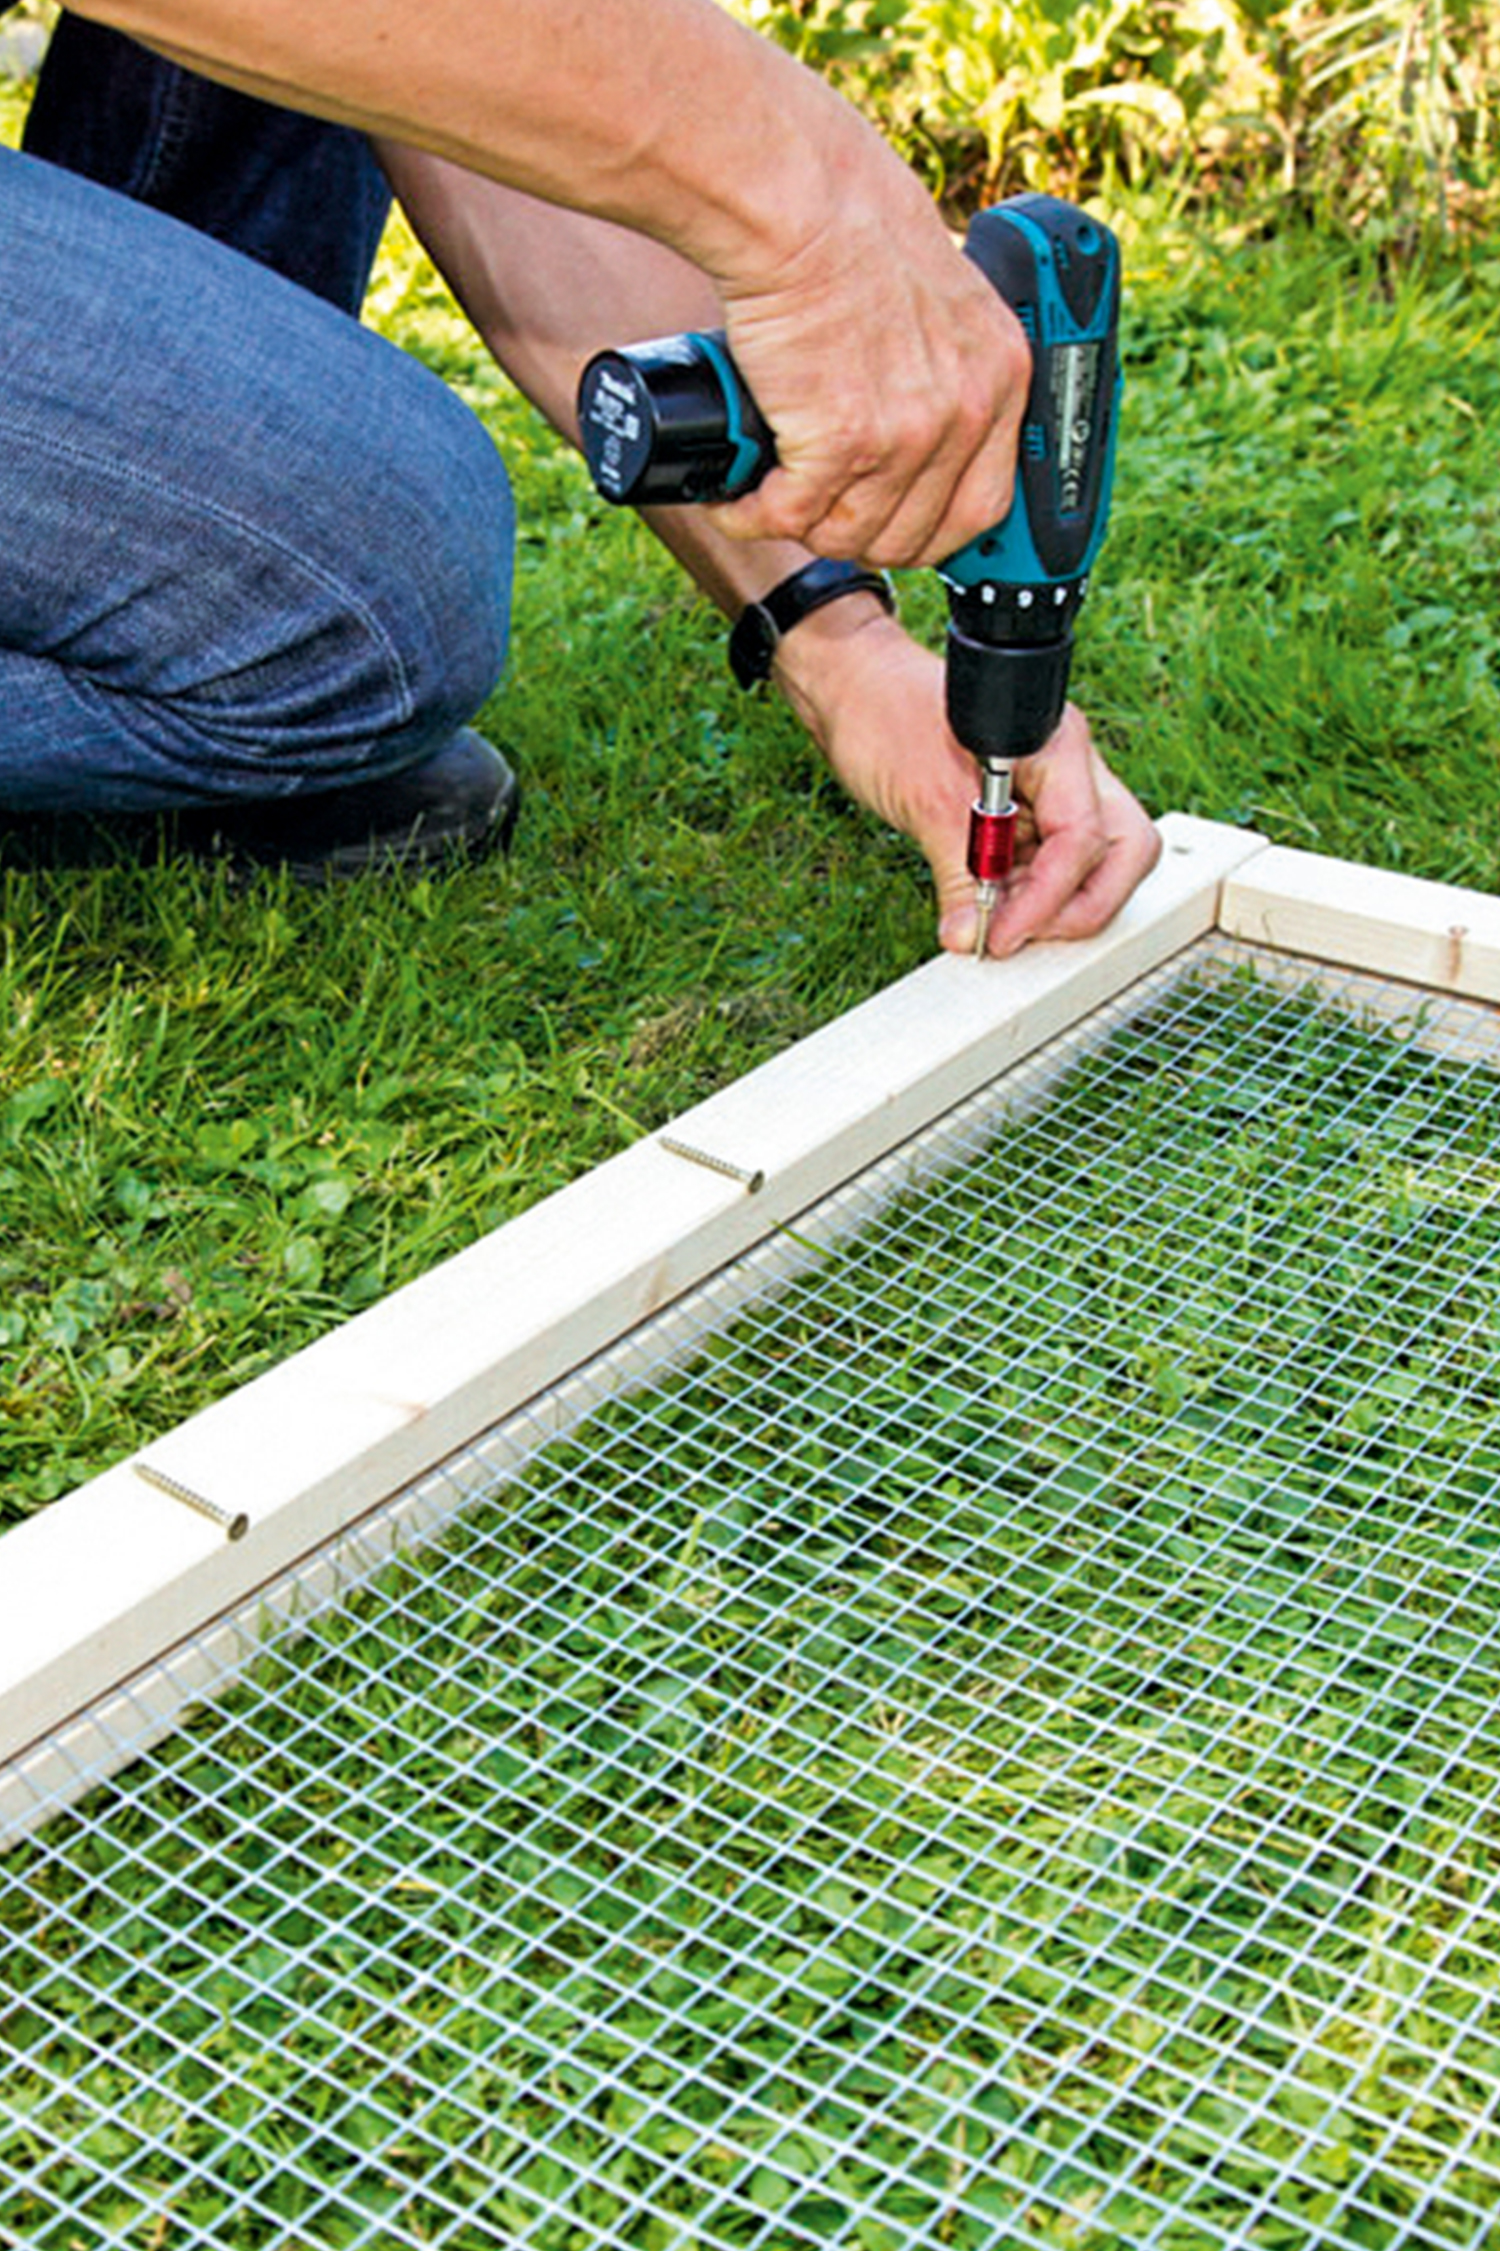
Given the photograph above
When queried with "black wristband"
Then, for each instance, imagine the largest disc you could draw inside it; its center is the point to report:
(760, 628)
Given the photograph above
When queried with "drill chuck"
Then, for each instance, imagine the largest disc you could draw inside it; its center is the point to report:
(1009, 653)
(1005, 704)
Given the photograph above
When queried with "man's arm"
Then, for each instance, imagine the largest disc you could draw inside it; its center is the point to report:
(546, 288)
(892, 373)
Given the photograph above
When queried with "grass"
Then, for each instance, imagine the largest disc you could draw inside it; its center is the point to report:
(1003, 1750)
(230, 1118)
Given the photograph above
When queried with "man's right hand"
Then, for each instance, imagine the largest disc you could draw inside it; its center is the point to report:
(894, 377)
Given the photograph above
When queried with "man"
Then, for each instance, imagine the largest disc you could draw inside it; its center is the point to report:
(258, 564)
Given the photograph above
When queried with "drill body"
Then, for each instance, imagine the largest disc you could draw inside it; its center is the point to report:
(673, 421)
(1015, 592)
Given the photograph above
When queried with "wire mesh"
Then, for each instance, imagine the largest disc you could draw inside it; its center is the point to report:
(1002, 1747)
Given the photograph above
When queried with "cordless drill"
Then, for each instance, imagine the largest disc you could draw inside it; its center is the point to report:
(672, 421)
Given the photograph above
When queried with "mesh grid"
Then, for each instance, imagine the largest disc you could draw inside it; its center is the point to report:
(1002, 1747)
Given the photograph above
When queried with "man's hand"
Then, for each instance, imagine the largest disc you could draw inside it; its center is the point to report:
(874, 701)
(894, 377)
(1083, 844)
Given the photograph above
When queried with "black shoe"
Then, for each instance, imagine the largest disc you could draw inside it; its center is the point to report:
(461, 804)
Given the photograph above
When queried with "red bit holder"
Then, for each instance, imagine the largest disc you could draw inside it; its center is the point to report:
(992, 847)
(992, 843)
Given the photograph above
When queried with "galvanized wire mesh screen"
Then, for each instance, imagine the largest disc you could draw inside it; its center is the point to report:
(1004, 1748)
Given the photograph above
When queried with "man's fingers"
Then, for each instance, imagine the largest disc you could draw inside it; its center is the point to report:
(1079, 878)
(876, 515)
(1086, 843)
(1103, 893)
(982, 498)
(1040, 891)
(926, 523)
(1092, 906)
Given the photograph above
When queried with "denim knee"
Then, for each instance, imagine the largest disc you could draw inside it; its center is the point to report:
(349, 645)
(271, 553)
(432, 583)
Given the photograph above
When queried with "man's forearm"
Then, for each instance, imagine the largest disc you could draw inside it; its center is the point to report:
(891, 372)
(548, 288)
(889, 369)
(582, 102)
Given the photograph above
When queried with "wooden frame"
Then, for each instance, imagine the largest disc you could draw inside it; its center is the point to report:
(125, 1569)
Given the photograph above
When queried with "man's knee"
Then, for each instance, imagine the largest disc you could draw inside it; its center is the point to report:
(372, 638)
(280, 559)
(249, 658)
(448, 591)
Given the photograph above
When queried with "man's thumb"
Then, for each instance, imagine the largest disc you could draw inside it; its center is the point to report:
(957, 915)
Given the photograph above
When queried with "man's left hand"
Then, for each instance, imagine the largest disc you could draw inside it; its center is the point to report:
(873, 699)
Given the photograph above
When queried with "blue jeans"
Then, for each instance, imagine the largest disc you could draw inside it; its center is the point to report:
(247, 548)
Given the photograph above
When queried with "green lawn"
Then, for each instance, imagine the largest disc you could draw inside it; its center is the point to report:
(229, 1118)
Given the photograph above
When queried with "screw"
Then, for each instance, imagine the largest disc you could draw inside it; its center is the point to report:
(750, 1181)
(234, 1523)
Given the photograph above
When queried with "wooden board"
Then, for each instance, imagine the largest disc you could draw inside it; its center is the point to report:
(118, 1573)
(1432, 934)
